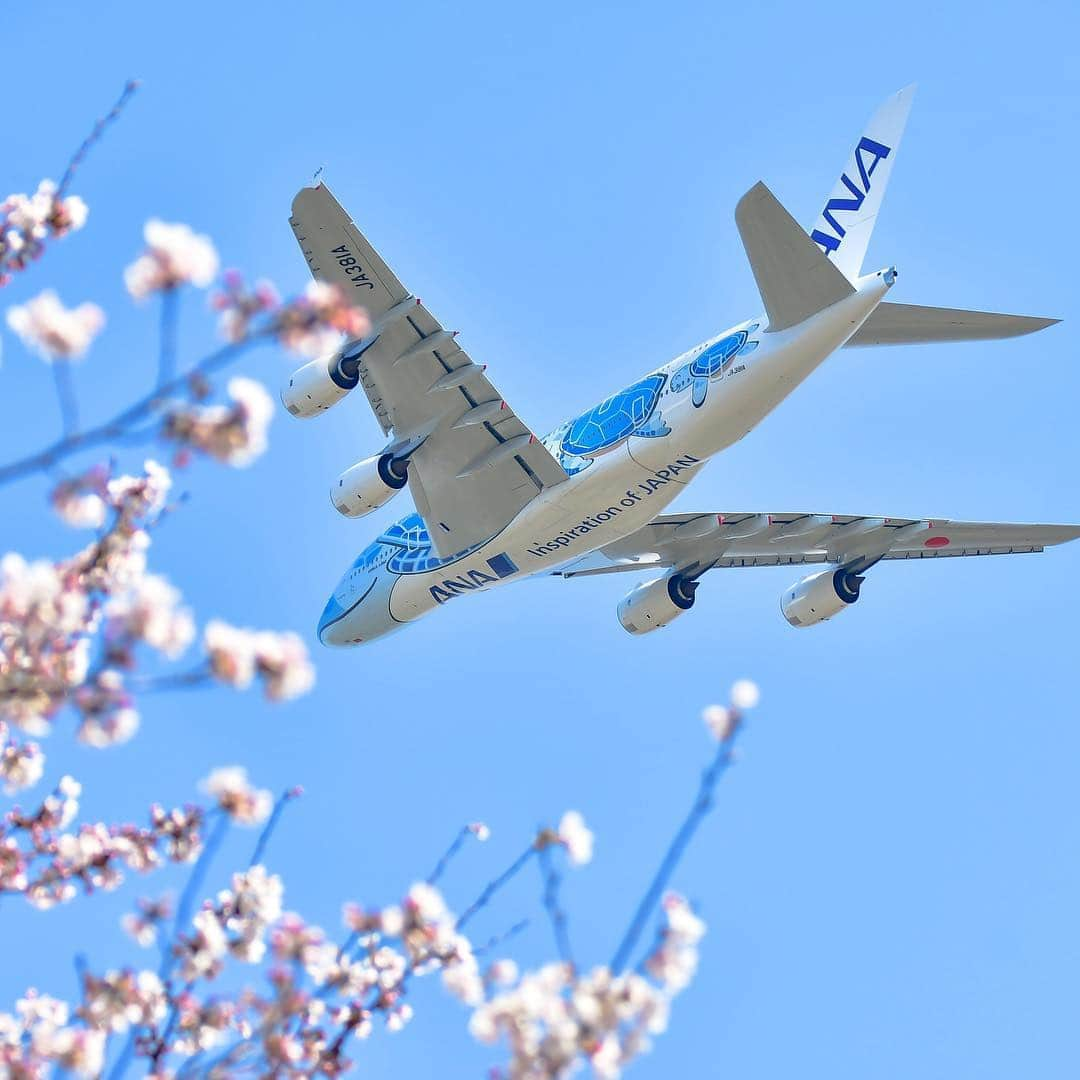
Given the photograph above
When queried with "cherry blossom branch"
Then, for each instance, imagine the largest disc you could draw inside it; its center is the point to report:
(167, 351)
(476, 828)
(495, 885)
(95, 135)
(702, 804)
(271, 824)
(552, 879)
(65, 396)
(119, 424)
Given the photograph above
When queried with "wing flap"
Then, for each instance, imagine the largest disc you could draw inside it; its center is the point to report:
(846, 538)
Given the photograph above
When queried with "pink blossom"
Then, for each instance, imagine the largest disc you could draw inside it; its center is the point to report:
(235, 435)
(230, 788)
(174, 256)
(313, 325)
(108, 716)
(53, 331)
(27, 221)
(238, 304)
(479, 830)
(21, 766)
(720, 720)
(150, 611)
(280, 659)
(80, 501)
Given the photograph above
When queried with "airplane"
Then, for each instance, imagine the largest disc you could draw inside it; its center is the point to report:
(494, 503)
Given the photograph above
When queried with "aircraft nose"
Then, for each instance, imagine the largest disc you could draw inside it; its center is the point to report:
(331, 629)
(363, 616)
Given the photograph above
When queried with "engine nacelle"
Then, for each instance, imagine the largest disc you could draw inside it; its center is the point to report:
(368, 485)
(656, 603)
(317, 386)
(820, 596)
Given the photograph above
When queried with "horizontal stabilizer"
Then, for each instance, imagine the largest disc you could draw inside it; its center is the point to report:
(794, 277)
(911, 324)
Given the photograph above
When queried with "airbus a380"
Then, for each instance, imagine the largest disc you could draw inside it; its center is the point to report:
(494, 503)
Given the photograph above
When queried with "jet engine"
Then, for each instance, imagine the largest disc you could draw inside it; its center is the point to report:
(656, 603)
(317, 386)
(369, 484)
(820, 596)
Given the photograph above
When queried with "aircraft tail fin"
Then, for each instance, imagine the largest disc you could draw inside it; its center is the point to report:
(793, 276)
(912, 324)
(843, 230)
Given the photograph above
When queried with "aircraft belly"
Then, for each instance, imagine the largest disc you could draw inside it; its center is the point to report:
(614, 498)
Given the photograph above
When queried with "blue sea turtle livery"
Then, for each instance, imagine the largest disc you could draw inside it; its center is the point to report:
(713, 362)
(629, 412)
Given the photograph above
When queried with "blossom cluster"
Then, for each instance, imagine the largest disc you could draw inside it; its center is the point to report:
(54, 331)
(233, 434)
(27, 222)
(47, 861)
(554, 1019)
(71, 632)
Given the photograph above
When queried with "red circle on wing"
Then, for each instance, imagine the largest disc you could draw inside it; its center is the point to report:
(936, 542)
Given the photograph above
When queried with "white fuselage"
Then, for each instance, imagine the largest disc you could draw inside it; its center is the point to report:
(619, 488)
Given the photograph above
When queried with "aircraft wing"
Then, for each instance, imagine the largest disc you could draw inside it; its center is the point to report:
(477, 464)
(695, 543)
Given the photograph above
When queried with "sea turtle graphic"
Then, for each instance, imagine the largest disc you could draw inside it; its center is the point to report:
(712, 363)
(599, 431)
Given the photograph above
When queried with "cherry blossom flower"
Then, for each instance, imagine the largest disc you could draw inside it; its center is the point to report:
(239, 305)
(280, 659)
(144, 924)
(174, 256)
(28, 221)
(720, 720)
(313, 325)
(81, 500)
(745, 694)
(53, 331)
(576, 837)
(230, 788)
(108, 715)
(479, 830)
(150, 612)
(235, 435)
(21, 766)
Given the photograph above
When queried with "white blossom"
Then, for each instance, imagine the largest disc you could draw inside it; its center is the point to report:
(53, 331)
(577, 838)
(174, 256)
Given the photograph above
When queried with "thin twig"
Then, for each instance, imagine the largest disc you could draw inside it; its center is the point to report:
(196, 676)
(700, 808)
(447, 855)
(271, 824)
(95, 134)
(500, 939)
(552, 880)
(494, 886)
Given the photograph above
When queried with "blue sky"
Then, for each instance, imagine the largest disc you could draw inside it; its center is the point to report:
(891, 877)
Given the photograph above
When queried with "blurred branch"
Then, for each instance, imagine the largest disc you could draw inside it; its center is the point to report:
(702, 805)
(122, 421)
(494, 886)
(167, 352)
(65, 395)
(268, 829)
(552, 879)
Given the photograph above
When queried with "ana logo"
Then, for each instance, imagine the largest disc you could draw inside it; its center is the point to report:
(867, 155)
(455, 586)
